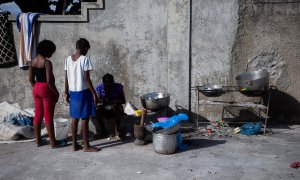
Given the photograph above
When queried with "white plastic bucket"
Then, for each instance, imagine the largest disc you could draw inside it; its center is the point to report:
(61, 128)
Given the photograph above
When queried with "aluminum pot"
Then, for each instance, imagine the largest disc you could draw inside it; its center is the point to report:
(155, 101)
(164, 144)
(253, 80)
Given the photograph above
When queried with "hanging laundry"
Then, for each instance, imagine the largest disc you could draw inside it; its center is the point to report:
(26, 26)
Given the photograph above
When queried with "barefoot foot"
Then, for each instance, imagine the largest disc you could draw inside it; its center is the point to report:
(54, 146)
(76, 147)
(91, 149)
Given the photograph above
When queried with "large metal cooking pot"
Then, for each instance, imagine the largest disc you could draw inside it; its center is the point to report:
(164, 144)
(155, 101)
(253, 80)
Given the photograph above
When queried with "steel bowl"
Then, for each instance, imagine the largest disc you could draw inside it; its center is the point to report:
(212, 90)
(155, 101)
(212, 87)
(253, 81)
(170, 130)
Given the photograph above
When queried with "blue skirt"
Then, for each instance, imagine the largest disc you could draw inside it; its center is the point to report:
(82, 104)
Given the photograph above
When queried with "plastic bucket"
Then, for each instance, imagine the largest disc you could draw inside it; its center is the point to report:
(61, 128)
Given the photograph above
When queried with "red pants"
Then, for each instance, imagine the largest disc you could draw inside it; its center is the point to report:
(44, 103)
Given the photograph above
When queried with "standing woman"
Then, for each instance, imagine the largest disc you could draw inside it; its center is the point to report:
(44, 91)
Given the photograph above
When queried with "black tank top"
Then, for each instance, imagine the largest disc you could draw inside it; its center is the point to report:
(40, 73)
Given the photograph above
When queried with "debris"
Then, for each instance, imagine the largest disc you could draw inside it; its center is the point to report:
(140, 172)
(194, 156)
(236, 130)
(220, 122)
(250, 129)
(212, 172)
(209, 129)
(295, 165)
(216, 124)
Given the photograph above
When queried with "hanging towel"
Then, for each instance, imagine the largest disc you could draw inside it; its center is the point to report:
(26, 26)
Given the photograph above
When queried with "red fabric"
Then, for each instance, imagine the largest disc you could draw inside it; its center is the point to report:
(44, 103)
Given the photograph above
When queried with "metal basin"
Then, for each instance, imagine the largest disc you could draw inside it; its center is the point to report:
(212, 87)
(253, 80)
(164, 144)
(212, 90)
(170, 130)
(155, 101)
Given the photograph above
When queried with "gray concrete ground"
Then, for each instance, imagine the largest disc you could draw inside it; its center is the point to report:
(232, 157)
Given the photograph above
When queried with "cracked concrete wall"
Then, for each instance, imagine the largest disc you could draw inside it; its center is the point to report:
(178, 52)
(268, 38)
(214, 25)
(144, 44)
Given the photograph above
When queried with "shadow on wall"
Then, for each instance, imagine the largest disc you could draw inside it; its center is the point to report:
(284, 109)
(192, 116)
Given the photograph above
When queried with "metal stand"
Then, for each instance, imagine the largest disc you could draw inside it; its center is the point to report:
(226, 105)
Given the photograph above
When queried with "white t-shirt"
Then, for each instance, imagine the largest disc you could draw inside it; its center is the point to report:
(75, 72)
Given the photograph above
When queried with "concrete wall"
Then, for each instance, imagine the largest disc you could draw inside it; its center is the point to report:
(268, 38)
(214, 25)
(145, 45)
